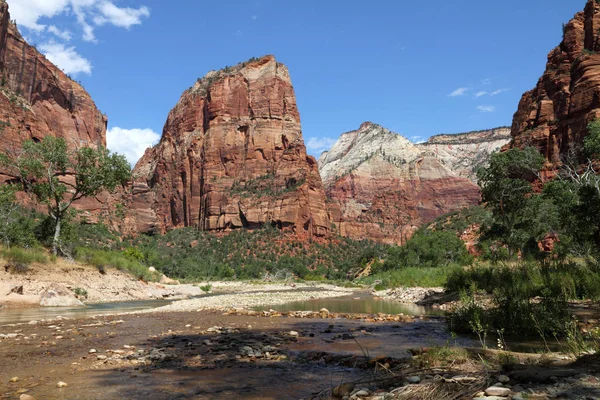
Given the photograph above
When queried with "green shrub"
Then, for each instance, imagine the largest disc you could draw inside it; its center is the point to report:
(24, 256)
(428, 249)
(116, 259)
(411, 277)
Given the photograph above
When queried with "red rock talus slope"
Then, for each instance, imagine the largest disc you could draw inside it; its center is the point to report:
(554, 115)
(232, 156)
(37, 99)
(383, 187)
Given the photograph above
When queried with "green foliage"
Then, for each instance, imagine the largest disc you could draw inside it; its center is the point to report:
(265, 186)
(16, 229)
(519, 218)
(115, 259)
(206, 288)
(410, 277)
(42, 167)
(246, 254)
(592, 141)
(80, 292)
(458, 221)
(428, 249)
(529, 298)
(24, 256)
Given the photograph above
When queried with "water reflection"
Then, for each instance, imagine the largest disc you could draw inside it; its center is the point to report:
(363, 304)
(13, 316)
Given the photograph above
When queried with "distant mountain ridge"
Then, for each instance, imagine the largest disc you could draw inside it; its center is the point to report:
(382, 186)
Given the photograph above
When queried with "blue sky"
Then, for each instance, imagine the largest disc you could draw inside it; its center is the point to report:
(418, 68)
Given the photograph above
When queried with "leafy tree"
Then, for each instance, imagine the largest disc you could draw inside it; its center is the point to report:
(58, 176)
(428, 249)
(506, 188)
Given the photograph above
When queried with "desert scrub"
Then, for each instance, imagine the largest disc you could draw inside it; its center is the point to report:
(116, 259)
(25, 256)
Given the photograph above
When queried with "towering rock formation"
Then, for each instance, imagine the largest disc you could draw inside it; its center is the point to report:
(464, 153)
(37, 99)
(554, 115)
(231, 156)
(383, 187)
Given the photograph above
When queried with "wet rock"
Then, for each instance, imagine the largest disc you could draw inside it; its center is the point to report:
(497, 391)
(62, 384)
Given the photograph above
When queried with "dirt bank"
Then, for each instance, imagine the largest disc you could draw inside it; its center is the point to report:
(112, 285)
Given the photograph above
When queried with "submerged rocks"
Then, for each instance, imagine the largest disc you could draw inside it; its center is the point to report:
(57, 296)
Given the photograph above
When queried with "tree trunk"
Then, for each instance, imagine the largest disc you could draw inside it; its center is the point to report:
(56, 235)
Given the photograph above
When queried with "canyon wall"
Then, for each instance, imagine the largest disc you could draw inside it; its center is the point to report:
(232, 156)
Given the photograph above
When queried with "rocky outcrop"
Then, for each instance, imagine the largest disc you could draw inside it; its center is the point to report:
(465, 153)
(383, 187)
(554, 115)
(37, 100)
(232, 156)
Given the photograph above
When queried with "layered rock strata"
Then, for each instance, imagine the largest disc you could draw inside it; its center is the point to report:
(383, 187)
(554, 115)
(465, 153)
(37, 100)
(232, 156)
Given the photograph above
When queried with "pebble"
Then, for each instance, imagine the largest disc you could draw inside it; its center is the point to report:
(92, 351)
(101, 357)
(14, 379)
(503, 379)
(362, 393)
(414, 379)
(26, 397)
(497, 391)
(62, 384)
(294, 334)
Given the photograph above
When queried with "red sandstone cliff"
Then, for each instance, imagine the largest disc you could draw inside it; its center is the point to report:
(232, 156)
(37, 99)
(554, 115)
(383, 187)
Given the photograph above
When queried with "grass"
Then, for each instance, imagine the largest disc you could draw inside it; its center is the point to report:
(411, 277)
(441, 356)
(116, 259)
(25, 256)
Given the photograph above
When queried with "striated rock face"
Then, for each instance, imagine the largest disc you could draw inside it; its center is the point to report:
(554, 115)
(38, 100)
(464, 153)
(383, 187)
(232, 156)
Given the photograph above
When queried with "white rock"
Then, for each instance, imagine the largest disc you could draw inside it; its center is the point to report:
(294, 334)
(92, 351)
(497, 391)
(62, 384)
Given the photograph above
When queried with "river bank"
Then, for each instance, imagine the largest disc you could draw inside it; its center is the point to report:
(212, 354)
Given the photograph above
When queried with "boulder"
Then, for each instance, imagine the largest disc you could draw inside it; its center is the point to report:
(58, 296)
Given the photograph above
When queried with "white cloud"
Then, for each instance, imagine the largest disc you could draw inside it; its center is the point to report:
(28, 13)
(318, 145)
(495, 92)
(254, 18)
(486, 109)
(122, 17)
(66, 58)
(458, 92)
(482, 93)
(131, 142)
(64, 35)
